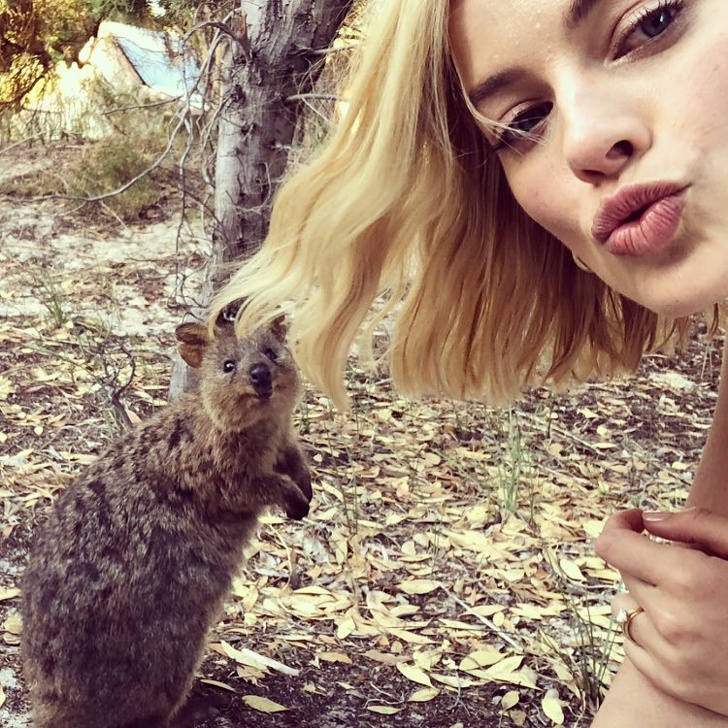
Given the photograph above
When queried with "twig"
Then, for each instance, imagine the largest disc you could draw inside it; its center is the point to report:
(135, 107)
(268, 661)
(314, 97)
(119, 391)
(487, 622)
(20, 142)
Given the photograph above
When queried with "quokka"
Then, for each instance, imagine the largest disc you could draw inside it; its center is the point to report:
(132, 566)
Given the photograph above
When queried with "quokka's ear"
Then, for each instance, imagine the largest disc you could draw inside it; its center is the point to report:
(279, 327)
(192, 340)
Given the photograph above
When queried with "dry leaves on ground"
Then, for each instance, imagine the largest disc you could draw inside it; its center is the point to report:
(445, 575)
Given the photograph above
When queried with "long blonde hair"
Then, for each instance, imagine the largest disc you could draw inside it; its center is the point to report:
(406, 204)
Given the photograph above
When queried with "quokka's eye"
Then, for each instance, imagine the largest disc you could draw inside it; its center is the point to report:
(229, 366)
(271, 354)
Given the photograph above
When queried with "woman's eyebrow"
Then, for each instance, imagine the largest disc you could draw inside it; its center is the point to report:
(494, 84)
(578, 12)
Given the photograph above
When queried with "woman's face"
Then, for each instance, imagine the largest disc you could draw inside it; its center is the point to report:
(626, 106)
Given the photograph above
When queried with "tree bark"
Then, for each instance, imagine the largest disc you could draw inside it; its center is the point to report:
(276, 59)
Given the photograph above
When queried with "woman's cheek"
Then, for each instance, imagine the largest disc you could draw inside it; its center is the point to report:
(545, 203)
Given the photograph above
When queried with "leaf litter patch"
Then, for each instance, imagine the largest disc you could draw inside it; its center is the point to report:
(446, 573)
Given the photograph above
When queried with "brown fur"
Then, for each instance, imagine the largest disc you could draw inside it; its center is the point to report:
(134, 562)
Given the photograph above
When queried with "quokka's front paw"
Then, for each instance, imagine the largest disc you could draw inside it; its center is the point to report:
(296, 505)
(292, 463)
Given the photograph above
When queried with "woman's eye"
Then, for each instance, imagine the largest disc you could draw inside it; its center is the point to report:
(647, 25)
(656, 23)
(523, 126)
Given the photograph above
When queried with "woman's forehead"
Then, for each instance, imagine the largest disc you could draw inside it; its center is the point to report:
(526, 14)
(488, 35)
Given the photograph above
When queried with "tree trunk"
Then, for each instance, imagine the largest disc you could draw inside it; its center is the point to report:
(273, 62)
(277, 48)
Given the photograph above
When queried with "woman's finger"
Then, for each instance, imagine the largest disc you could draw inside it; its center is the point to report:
(643, 593)
(623, 601)
(623, 545)
(626, 612)
(696, 526)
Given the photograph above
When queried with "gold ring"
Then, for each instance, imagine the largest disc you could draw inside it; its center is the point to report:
(624, 619)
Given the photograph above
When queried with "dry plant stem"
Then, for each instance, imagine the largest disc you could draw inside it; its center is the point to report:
(487, 622)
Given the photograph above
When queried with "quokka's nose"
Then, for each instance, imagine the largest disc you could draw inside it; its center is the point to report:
(261, 379)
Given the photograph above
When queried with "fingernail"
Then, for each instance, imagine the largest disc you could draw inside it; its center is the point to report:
(655, 516)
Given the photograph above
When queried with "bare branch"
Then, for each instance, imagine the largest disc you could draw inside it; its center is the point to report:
(127, 185)
(314, 97)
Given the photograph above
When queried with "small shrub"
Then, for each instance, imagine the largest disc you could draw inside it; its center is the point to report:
(111, 163)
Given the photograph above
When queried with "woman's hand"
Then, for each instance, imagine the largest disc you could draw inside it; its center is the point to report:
(680, 641)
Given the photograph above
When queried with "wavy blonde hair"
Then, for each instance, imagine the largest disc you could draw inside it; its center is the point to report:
(407, 204)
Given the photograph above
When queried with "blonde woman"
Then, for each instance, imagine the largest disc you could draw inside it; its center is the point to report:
(537, 191)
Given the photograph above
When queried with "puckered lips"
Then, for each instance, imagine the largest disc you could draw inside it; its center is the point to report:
(640, 219)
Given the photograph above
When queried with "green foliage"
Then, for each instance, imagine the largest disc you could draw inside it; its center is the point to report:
(117, 9)
(136, 140)
(19, 76)
(51, 296)
(161, 13)
(37, 34)
(515, 468)
(34, 35)
(108, 165)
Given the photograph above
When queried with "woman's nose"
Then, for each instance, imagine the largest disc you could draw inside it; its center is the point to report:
(601, 139)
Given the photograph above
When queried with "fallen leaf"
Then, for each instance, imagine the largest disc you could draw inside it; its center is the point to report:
(263, 705)
(571, 569)
(383, 709)
(13, 624)
(481, 658)
(422, 696)
(334, 657)
(551, 705)
(8, 593)
(415, 674)
(218, 684)
(419, 586)
(411, 637)
(384, 657)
